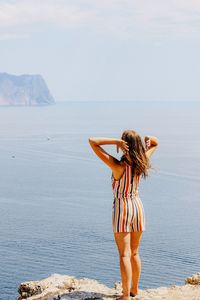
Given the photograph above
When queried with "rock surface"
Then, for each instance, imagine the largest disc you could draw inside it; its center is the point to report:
(66, 287)
(24, 90)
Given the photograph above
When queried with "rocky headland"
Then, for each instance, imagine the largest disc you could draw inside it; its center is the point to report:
(66, 287)
(24, 90)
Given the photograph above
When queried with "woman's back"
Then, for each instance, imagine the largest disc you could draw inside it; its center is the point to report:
(126, 186)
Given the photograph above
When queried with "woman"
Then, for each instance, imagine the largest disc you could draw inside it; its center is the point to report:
(128, 217)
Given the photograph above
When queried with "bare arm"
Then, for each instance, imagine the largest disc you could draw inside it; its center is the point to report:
(151, 143)
(96, 142)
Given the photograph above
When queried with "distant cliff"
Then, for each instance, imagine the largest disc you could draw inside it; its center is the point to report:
(24, 90)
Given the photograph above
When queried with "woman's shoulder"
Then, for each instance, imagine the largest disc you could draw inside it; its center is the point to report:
(123, 162)
(118, 173)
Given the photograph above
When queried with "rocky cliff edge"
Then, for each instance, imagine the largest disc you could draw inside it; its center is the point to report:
(66, 287)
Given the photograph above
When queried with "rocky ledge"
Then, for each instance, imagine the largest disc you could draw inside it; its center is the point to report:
(66, 287)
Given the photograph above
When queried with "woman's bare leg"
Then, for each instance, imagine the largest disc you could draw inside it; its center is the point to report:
(123, 244)
(135, 261)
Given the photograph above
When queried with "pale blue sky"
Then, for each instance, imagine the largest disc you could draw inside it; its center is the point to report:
(105, 49)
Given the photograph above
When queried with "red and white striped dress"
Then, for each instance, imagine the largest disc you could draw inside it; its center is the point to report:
(128, 212)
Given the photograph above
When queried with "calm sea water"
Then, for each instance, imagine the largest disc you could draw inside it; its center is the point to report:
(56, 197)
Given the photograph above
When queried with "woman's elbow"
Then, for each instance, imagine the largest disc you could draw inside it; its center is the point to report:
(91, 141)
(157, 141)
(154, 141)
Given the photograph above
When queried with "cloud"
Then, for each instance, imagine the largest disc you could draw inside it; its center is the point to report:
(21, 18)
(23, 13)
(128, 18)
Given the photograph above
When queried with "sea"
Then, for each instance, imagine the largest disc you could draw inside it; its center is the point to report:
(56, 197)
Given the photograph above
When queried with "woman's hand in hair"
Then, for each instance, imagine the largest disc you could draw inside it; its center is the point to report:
(153, 140)
(147, 142)
(151, 143)
(123, 145)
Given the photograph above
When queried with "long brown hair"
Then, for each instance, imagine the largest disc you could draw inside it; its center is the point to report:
(137, 153)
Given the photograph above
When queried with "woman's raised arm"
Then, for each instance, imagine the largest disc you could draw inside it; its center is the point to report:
(111, 161)
(151, 143)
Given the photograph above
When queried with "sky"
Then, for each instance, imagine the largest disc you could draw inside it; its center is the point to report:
(105, 50)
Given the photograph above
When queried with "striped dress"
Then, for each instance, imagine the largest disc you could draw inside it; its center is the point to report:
(128, 212)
